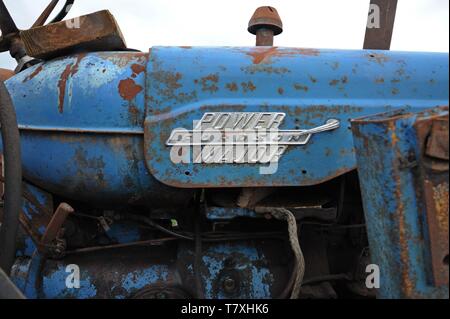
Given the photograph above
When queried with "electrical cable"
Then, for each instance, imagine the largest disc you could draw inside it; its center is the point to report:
(299, 269)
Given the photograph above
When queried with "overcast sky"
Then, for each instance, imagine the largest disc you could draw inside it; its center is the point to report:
(421, 25)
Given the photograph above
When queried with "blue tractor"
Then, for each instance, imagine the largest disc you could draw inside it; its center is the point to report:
(221, 172)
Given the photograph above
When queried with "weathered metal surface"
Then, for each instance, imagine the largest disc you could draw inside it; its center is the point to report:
(104, 118)
(6, 74)
(402, 204)
(168, 270)
(37, 211)
(433, 181)
(53, 231)
(265, 23)
(94, 32)
(87, 113)
(309, 86)
(223, 213)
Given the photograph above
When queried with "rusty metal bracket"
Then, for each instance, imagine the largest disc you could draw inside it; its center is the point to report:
(98, 31)
(37, 214)
(432, 134)
(51, 241)
(403, 171)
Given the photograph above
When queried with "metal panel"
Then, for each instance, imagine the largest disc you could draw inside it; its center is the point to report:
(432, 138)
(404, 200)
(309, 86)
(255, 270)
(86, 112)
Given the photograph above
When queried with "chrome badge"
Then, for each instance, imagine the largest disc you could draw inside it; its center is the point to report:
(238, 137)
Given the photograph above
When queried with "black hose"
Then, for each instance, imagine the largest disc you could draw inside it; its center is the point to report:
(198, 251)
(13, 180)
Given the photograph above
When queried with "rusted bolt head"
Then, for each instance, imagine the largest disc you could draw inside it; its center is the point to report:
(265, 18)
(229, 285)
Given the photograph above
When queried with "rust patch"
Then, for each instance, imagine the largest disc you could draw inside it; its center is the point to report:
(134, 114)
(167, 85)
(280, 91)
(6, 74)
(137, 68)
(128, 89)
(262, 55)
(69, 71)
(300, 87)
(312, 79)
(265, 55)
(232, 87)
(32, 75)
(209, 83)
(62, 83)
(440, 197)
(308, 52)
(343, 80)
(262, 68)
(248, 86)
(334, 82)
(123, 59)
(379, 80)
(378, 58)
(170, 80)
(432, 134)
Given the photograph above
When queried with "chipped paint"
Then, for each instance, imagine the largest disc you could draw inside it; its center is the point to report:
(70, 70)
(264, 55)
(395, 200)
(128, 89)
(282, 80)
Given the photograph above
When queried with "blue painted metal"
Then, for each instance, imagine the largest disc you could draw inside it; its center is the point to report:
(387, 150)
(108, 276)
(310, 86)
(258, 282)
(227, 213)
(94, 127)
(87, 112)
(37, 211)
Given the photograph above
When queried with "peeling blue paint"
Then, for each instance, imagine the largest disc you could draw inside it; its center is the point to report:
(54, 286)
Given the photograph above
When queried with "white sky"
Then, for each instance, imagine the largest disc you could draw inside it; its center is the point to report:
(421, 25)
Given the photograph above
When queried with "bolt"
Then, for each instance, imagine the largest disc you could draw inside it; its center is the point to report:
(265, 24)
(161, 295)
(229, 285)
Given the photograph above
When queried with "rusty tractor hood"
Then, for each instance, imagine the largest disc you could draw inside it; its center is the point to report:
(110, 122)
